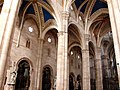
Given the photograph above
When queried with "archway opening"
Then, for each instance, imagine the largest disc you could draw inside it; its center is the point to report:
(109, 64)
(23, 76)
(75, 66)
(46, 79)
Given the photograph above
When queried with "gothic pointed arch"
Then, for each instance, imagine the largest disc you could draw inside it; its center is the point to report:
(74, 34)
(75, 67)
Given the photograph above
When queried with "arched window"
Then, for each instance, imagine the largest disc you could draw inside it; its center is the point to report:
(46, 79)
(28, 43)
(23, 76)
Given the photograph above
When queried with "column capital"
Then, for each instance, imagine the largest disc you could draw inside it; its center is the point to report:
(104, 56)
(87, 37)
(61, 33)
(98, 49)
(65, 15)
(97, 59)
(85, 50)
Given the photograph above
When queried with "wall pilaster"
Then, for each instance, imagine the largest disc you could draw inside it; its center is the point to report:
(105, 65)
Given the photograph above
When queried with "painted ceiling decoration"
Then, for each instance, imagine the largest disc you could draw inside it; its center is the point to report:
(47, 15)
(82, 5)
(98, 5)
(41, 7)
(89, 8)
(45, 8)
(43, 11)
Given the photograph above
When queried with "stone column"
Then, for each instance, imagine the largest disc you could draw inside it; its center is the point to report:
(98, 65)
(86, 65)
(4, 17)
(62, 61)
(39, 72)
(105, 65)
(7, 37)
(114, 13)
(105, 71)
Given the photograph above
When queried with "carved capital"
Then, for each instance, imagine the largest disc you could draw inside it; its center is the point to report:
(61, 33)
(85, 50)
(104, 57)
(99, 49)
(87, 37)
(65, 15)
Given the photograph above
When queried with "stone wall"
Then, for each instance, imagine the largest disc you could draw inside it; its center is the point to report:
(31, 53)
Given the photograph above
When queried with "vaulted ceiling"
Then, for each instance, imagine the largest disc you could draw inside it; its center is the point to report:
(40, 7)
(89, 6)
(85, 8)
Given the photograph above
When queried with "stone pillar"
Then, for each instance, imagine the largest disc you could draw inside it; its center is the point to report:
(4, 17)
(98, 65)
(106, 71)
(105, 65)
(114, 13)
(62, 61)
(7, 29)
(86, 65)
(39, 72)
